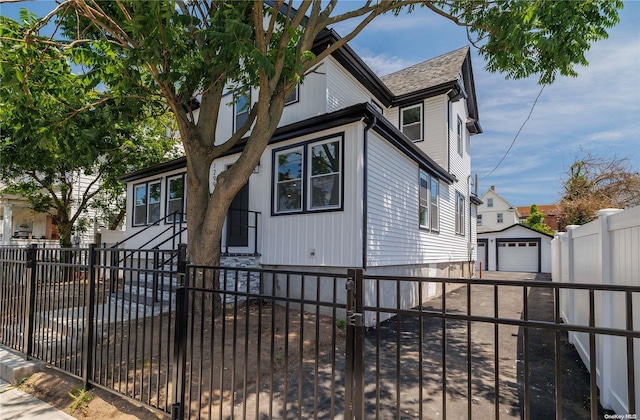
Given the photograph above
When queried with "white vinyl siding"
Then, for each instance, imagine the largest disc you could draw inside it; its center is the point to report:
(288, 239)
(343, 90)
(393, 233)
(434, 128)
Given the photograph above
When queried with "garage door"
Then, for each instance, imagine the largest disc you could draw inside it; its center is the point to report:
(518, 256)
(482, 256)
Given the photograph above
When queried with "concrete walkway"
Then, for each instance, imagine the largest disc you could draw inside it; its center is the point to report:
(15, 404)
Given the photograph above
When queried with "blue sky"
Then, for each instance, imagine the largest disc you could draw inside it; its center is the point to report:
(598, 112)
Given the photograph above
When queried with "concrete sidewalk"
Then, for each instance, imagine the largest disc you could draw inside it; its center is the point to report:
(15, 404)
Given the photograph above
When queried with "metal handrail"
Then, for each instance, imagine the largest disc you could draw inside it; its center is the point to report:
(248, 226)
(156, 223)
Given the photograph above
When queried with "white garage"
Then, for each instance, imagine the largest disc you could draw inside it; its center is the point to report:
(516, 248)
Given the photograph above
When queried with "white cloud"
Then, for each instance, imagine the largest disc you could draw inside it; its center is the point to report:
(383, 64)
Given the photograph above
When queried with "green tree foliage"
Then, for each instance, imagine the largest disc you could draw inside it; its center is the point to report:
(535, 221)
(594, 183)
(56, 127)
(173, 51)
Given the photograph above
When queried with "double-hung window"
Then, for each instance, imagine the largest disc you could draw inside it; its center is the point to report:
(429, 193)
(241, 107)
(293, 96)
(424, 200)
(146, 208)
(500, 218)
(175, 198)
(411, 122)
(289, 166)
(489, 202)
(460, 133)
(459, 213)
(308, 177)
(479, 219)
(434, 213)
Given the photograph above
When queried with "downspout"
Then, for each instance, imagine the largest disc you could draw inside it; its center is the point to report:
(364, 190)
(470, 251)
(448, 133)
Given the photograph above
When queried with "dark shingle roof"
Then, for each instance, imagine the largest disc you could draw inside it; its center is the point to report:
(430, 73)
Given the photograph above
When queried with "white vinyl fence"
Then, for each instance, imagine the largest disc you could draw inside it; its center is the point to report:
(604, 251)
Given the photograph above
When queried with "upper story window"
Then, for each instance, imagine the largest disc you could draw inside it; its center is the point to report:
(429, 216)
(293, 96)
(175, 198)
(459, 213)
(460, 134)
(308, 177)
(500, 218)
(242, 106)
(489, 202)
(479, 219)
(411, 122)
(146, 209)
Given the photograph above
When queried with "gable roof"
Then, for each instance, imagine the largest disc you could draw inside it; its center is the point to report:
(430, 73)
(492, 190)
(437, 76)
(514, 226)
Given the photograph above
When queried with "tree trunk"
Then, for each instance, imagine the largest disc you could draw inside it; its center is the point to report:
(118, 219)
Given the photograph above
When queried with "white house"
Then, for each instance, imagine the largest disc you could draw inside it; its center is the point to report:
(20, 225)
(506, 245)
(495, 213)
(362, 172)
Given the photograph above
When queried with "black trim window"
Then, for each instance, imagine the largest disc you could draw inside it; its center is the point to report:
(146, 208)
(411, 122)
(175, 198)
(424, 200)
(289, 180)
(293, 96)
(460, 134)
(434, 214)
(241, 108)
(308, 177)
(459, 213)
(429, 193)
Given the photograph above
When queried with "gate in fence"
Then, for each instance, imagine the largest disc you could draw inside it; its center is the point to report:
(306, 345)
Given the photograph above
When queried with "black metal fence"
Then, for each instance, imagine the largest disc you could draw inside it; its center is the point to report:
(307, 345)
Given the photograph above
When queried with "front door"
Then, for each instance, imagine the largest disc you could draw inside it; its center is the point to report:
(238, 219)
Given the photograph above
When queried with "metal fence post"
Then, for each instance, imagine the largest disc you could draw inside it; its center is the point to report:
(87, 354)
(180, 348)
(32, 258)
(354, 357)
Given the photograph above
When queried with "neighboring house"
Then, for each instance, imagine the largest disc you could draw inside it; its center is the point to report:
(495, 213)
(362, 172)
(20, 225)
(551, 214)
(515, 248)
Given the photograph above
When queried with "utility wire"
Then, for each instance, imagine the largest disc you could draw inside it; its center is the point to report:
(518, 133)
